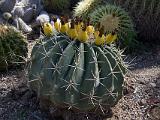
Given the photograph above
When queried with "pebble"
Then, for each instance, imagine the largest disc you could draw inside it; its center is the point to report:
(153, 84)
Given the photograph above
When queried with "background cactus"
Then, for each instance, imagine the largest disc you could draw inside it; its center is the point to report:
(13, 47)
(146, 16)
(115, 18)
(84, 7)
(76, 75)
(56, 6)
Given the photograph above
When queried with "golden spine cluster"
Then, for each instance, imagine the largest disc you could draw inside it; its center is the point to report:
(77, 29)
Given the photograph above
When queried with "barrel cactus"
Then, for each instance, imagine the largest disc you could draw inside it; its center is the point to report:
(146, 16)
(56, 5)
(75, 75)
(115, 18)
(13, 47)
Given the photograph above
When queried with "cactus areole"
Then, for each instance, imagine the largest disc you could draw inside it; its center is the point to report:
(76, 75)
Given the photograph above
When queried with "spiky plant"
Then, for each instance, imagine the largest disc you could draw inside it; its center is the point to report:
(56, 5)
(146, 16)
(84, 7)
(75, 75)
(115, 18)
(13, 47)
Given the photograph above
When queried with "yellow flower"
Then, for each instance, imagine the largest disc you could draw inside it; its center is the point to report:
(47, 29)
(110, 38)
(100, 40)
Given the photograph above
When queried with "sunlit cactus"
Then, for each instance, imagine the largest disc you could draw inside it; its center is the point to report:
(76, 75)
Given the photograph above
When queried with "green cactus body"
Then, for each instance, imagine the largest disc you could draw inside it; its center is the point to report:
(146, 16)
(80, 76)
(56, 5)
(13, 47)
(114, 18)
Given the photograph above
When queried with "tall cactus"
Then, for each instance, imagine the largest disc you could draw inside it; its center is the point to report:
(79, 76)
(13, 47)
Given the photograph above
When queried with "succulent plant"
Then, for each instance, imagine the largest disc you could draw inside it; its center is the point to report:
(146, 16)
(84, 7)
(75, 75)
(115, 18)
(13, 47)
(56, 5)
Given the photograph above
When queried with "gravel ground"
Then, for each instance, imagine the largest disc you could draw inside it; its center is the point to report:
(140, 102)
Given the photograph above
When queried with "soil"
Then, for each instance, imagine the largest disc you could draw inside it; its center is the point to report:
(140, 102)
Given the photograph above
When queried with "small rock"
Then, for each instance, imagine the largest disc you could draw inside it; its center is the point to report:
(153, 84)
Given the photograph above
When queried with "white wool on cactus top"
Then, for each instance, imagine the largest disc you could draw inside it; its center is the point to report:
(43, 17)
